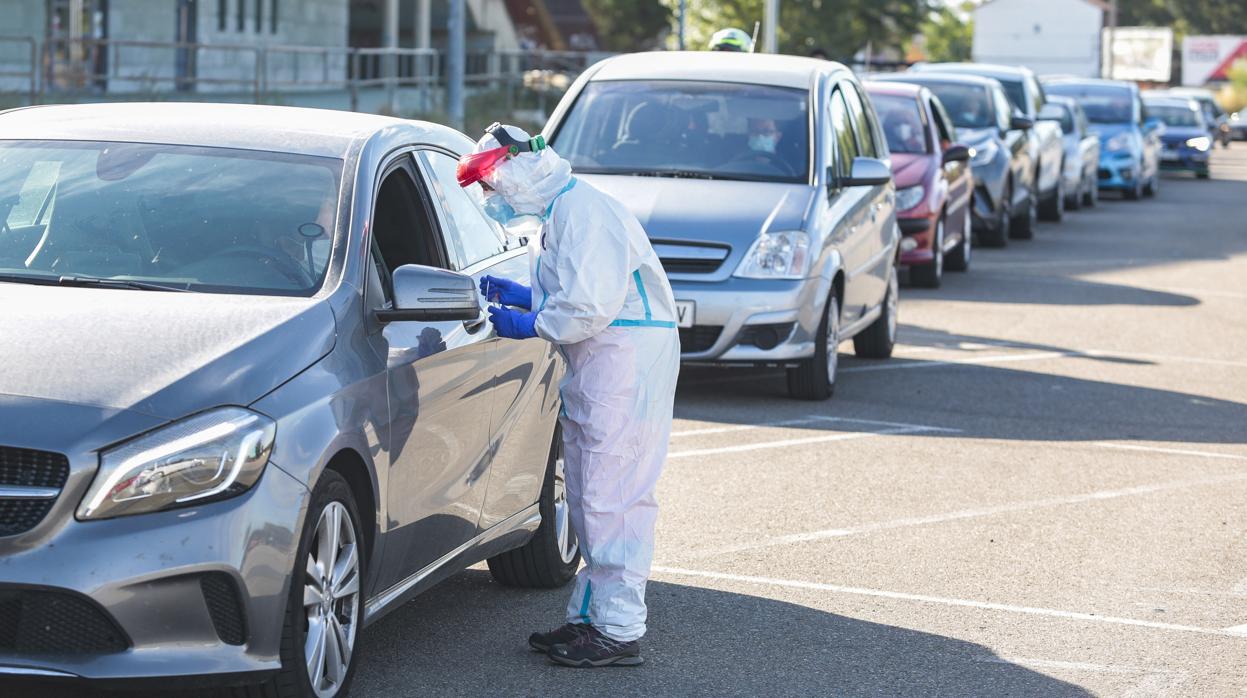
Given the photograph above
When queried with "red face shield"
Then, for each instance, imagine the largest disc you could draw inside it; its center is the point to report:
(476, 166)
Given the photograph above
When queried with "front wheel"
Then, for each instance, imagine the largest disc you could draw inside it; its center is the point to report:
(1053, 208)
(959, 258)
(1092, 196)
(815, 378)
(1024, 225)
(878, 340)
(931, 274)
(550, 558)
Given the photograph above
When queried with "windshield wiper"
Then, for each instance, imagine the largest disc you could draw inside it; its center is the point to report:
(96, 282)
(677, 174)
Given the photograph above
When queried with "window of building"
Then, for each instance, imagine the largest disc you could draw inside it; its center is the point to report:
(222, 15)
(272, 17)
(242, 15)
(259, 16)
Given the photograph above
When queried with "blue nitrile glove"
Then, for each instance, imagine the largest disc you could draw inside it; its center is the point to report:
(512, 323)
(507, 292)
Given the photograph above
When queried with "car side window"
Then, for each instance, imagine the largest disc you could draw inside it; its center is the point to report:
(473, 235)
(1004, 110)
(861, 124)
(943, 125)
(403, 232)
(846, 143)
(1037, 94)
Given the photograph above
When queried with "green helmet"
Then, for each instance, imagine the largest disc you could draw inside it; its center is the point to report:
(731, 40)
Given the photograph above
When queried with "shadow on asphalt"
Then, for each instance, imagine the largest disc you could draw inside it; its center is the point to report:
(466, 637)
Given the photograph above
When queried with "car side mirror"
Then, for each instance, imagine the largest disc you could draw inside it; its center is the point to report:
(865, 172)
(1018, 122)
(425, 294)
(1153, 124)
(956, 153)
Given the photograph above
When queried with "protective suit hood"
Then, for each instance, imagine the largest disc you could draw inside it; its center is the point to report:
(527, 181)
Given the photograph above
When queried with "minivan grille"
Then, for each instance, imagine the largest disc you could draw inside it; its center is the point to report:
(31, 470)
(690, 258)
(699, 337)
(45, 622)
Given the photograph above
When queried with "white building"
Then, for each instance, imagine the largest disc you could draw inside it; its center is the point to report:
(1047, 36)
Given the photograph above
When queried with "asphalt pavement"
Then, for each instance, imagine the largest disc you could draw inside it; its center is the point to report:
(1043, 493)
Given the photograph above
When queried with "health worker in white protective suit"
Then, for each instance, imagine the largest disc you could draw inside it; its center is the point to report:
(600, 295)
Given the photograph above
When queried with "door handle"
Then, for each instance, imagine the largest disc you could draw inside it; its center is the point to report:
(476, 323)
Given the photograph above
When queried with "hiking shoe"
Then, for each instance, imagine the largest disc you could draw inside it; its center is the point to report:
(542, 642)
(593, 649)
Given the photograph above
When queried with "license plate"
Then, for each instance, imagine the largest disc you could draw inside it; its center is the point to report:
(684, 311)
(1168, 155)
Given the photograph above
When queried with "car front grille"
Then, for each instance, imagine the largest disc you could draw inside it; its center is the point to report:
(699, 337)
(55, 622)
(679, 257)
(30, 482)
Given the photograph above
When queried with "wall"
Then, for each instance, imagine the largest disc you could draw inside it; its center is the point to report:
(21, 18)
(1050, 37)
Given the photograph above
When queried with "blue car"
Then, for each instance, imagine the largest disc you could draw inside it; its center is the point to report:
(1186, 143)
(1129, 146)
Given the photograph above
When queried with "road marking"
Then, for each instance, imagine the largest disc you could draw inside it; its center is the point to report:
(1174, 451)
(907, 522)
(941, 600)
(745, 427)
(1237, 630)
(894, 428)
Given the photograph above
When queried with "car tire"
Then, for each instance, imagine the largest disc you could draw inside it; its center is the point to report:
(1053, 208)
(1092, 197)
(878, 339)
(1074, 202)
(1152, 187)
(998, 235)
(550, 558)
(332, 497)
(1135, 192)
(1023, 227)
(815, 378)
(1203, 175)
(931, 274)
(959, 258)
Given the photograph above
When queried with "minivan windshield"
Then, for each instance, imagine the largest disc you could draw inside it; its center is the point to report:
(136, 215)
(675, 128)
(1103, 104)
(1173, 115)
(969, 106)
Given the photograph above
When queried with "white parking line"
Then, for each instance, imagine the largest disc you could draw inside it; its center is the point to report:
(944, 517)
(894, 428)
(941, 600)
(1174, 451)
(1237, 630)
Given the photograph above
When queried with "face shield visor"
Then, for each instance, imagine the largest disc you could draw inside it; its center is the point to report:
(476, 167)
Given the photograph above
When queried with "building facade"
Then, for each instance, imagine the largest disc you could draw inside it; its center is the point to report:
(1053, 37)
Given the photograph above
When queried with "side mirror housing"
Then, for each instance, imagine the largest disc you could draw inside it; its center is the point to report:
(956, 153)
(425, 294)
(867, 172)
(1017, 122)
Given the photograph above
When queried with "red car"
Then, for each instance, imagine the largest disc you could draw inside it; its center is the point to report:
(934, 188)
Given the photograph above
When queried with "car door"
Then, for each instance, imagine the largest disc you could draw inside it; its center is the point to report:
(850, 212)
(439, 379)
(880, 217)
(956, 173)
(1018, 145)
(526, 374)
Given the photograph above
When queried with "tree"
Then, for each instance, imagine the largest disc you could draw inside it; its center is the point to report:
(1185, 16)
(949, 35)
(629, 25)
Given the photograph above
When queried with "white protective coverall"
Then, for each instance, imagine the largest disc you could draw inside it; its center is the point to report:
(603, 298)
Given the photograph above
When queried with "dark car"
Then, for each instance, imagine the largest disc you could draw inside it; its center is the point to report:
(1185, 143)
(1000, 160)
(1220, 124)
(934, 187)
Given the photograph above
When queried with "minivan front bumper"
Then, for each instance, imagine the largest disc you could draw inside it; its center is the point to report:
(751, 321)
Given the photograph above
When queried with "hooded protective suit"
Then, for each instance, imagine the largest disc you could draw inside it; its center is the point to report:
(600, 294)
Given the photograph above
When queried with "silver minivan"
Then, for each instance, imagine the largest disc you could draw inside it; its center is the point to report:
(249, 401)
(763, 182)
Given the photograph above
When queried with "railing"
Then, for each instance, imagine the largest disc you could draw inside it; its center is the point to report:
(19, 66)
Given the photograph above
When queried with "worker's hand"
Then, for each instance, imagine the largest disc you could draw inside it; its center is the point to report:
(506, 291)
(512, 323)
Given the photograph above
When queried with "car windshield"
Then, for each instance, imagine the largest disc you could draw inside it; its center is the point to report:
(688, 129)
(969, 106)
(902, 124)
(1173, 115)
(1103, 104)
(153, 216)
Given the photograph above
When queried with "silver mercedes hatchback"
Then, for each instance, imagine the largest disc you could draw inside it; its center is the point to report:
(249, 401)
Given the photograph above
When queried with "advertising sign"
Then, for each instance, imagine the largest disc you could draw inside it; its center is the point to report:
(1206, 59)
(1141, 54)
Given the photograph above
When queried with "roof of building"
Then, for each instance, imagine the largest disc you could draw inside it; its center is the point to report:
(321, 132)
(994, 70)
(716, 66)
(1101, 4)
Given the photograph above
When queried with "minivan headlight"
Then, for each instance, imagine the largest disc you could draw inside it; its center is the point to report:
(1119, 142)
(983, 153)
(1199, 143)
(212, 455)
(777, 256)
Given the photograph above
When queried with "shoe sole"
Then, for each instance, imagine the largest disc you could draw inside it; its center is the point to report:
(591, 664)
(538, 647)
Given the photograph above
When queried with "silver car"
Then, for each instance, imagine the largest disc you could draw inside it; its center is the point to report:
(1082, 151)
(249, 401)
(763, 182)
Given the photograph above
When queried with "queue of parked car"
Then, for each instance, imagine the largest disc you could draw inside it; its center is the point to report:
(249, 337)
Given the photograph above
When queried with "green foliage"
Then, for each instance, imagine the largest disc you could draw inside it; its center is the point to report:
(839, 27)
(1185, 16)
(629, 25)
(948, 37)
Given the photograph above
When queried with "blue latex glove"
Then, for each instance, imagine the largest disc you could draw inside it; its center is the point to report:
(507, 292)
(512, 323)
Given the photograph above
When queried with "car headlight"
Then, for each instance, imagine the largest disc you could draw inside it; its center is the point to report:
(1119, 142)
(212, 455)
(1199, 143)
(983, 153)
(909, 197)
(777, 256)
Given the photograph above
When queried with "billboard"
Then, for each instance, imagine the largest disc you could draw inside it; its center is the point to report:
(1206, 59)
(1142, 54)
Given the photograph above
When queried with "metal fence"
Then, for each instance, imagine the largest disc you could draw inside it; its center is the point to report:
(58, 69)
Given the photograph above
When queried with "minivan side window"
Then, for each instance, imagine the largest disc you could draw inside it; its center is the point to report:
(861, 124)
(1038, 98)
(473, 235)
(842, 127)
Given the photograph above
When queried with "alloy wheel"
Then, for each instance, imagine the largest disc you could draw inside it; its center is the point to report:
(890, 305)
(568, 545)
(833, 341)
(331, 600)
(938, 249)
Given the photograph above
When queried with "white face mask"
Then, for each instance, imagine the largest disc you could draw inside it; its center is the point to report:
(905, 131)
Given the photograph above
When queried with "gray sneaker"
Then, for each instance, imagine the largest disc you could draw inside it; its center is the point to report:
(542, 642)
(593, 649)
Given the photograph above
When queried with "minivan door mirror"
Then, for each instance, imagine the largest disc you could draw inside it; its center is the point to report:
(867, 172)
(1017, 122)
(956, 153)
(426, 294)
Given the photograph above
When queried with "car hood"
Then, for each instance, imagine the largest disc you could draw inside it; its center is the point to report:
(162, 354)
(909, 169)
(1107, 131)
(975, 136)
(720, 211)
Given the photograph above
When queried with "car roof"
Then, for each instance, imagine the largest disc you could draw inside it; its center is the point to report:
(893, 87)
(1011, 72)
(716, 66)
(1172, 100)
(1064, 101)
(927, 77)
(1089, 82)
(295, 130)
(1191, 91)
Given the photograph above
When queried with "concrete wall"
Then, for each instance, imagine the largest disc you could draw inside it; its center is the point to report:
(1050, 37)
